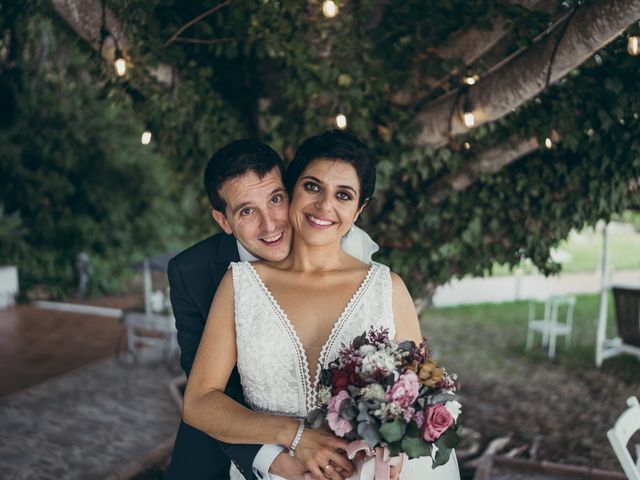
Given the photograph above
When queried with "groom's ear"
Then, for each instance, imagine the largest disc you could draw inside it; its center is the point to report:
(222, 221)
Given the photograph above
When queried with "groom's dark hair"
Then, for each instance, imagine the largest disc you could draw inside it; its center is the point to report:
(234, 160)
(337, 145)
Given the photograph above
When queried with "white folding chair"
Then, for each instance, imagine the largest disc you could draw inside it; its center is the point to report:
(627, 424)
(550, 326)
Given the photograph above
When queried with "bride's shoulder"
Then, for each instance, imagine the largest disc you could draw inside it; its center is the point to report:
(396, 280)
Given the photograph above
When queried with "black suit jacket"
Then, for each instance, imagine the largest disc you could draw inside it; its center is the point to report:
(194, 276)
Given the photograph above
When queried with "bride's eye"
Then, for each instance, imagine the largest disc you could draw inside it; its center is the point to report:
(343, 196)
(311, 187)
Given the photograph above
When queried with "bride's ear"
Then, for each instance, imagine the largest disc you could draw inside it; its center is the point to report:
(364, 204)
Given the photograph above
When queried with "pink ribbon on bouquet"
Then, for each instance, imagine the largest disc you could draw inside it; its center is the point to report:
(378, 462)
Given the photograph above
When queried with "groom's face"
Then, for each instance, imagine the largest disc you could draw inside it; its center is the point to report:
(257, 214)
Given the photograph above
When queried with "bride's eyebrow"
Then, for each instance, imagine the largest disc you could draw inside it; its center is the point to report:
(317, 180)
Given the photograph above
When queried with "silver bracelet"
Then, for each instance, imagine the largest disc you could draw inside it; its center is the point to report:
(296, 439)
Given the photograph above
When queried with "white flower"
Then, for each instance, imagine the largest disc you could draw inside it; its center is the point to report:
(367, 349)
(454, 408)
(388, 410)
(373, 392)
(324, 395)
(378, 361)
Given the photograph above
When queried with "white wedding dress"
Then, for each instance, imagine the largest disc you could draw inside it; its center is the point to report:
(272, 362)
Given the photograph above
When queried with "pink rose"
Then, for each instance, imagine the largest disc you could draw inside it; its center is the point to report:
(436, 422)
(405, 391)
(336, 401)
(339, 425)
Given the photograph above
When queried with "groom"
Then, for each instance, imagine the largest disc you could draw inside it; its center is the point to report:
(244, 184)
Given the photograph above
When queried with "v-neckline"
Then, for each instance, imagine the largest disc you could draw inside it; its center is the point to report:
(336, 326)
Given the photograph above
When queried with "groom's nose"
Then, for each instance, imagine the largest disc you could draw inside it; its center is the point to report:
(268, 223)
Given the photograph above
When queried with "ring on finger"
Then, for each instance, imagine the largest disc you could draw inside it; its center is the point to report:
(327, 466)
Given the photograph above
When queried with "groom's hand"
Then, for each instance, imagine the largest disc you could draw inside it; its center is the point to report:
(286, 466)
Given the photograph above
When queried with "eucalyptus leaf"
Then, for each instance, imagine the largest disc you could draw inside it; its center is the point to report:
(369, 432)
(441, 457)
(416, 447)
(393, 431)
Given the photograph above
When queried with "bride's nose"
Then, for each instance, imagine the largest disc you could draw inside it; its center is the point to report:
(323, 202)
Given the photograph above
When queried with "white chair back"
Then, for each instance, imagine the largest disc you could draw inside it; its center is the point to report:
(627, 424)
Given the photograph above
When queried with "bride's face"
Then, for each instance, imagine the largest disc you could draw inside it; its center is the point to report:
(324, 201)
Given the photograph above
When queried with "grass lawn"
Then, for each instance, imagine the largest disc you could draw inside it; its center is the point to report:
(567, 403)
(583, 251)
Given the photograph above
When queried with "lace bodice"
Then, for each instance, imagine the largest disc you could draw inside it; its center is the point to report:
(272, 362)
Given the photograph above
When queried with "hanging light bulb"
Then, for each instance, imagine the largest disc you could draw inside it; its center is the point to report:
(548, 143)
(467, 145)
(470, 78)
(120, 63)
(469, 119)
(633, 45)
(329, 8)
(146, 137)
(467, 109)
(341, 121)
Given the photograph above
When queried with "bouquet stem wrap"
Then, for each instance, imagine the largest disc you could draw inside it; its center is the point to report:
(377, 463)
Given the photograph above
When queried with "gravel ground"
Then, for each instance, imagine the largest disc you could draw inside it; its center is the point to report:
(568, 403)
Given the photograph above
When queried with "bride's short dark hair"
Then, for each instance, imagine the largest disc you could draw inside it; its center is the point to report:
(234, 160)
(338, 145)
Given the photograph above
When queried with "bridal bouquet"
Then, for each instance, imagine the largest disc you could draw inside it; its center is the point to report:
(388, 399)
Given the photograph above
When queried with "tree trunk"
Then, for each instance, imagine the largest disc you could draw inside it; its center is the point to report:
(591, 28)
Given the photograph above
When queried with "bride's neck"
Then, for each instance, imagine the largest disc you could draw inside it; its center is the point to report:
(313, 258)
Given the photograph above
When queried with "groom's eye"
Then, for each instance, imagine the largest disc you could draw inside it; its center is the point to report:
(312, 187)
(276, 199)
(246, 211)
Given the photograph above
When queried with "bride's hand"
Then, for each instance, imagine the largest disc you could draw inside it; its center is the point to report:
(324, 454)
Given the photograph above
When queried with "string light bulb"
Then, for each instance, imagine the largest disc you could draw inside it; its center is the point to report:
(120, 63)
(469, 119)
(470, 78)
(467, 109)
(548, 143)
(467, 146)
(341, 121)
(633, 45)
(329, 8)
(146, 137)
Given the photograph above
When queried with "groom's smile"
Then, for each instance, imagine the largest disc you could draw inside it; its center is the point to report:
(273, 239)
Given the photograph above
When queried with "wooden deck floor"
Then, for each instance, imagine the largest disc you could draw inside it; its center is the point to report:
(38, 344)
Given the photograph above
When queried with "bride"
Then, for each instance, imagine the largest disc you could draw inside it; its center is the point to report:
(282, 322)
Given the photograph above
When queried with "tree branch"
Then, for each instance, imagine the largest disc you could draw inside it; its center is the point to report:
(489, 161)
(196, 20)
(513, 83)
(201, 41)
(467, 45)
